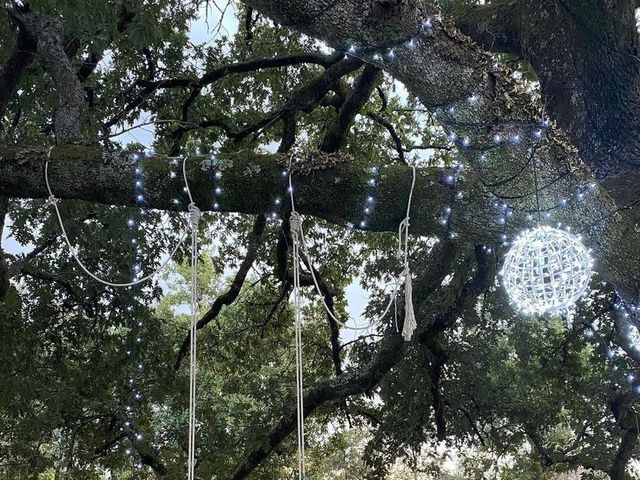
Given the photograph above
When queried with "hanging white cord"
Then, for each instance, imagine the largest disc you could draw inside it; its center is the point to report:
(194, 219)
(403, 253)
(409, 324)
(295, 229)
(54, 201)
(297, 232)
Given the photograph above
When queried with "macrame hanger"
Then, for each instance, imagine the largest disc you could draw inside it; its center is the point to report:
(403, 248)
(194, 220)
(403, 253)
(299, 244)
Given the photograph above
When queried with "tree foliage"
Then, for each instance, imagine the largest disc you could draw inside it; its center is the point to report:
(480, 387)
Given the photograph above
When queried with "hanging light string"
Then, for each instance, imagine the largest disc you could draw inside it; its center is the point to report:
(194, 218)
(52, 200)
(135, 383)
(403, 247)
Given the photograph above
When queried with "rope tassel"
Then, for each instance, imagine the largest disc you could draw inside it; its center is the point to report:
(409, 314)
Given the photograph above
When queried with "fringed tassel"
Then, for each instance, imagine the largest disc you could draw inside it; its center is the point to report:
(569, 319)
(409, 315)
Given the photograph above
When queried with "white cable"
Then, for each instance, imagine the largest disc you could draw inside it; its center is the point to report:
(403, 247)
(54, 201)
(194, 218)
(298, 334)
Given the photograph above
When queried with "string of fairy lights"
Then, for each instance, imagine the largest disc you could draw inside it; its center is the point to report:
(518, 133)
(452, 178)
(135, 383)
(504, 211)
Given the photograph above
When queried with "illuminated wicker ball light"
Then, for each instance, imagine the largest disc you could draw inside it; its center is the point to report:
(546, 270)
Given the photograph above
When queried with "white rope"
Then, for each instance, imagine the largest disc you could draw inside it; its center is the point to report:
(296, 223)
(410, 323)
(52, 200)
(297, 232)
(194, 218)
(403, 254)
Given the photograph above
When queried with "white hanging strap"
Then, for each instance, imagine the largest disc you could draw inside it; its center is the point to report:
(296, 223)
(194, 220)
(52, 200)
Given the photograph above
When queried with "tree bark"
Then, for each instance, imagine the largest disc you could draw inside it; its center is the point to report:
(4, 270)
(333, 189)
(586, 57)
(12, 71)
(71, 98)
(471, 95)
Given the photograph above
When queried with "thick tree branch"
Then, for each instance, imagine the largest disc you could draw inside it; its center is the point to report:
(148, 455)
(234, 289)
(149, 87)
(495, 26)
(334, 193)
(303, 99)
(336, 390)
(550, 457)
(429, 334)
(624, 454)
(621, 405)
(390, 350)
(397, 141)
(585, 55)
(437, 402)
(336, 136)
(483, 279)
(90, 62)
(12, 71)
(288, 133)
(71, 98)
(471, 95)
(53, 278)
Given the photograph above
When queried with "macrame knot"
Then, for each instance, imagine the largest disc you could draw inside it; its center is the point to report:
(295, 221)
(194, 215)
